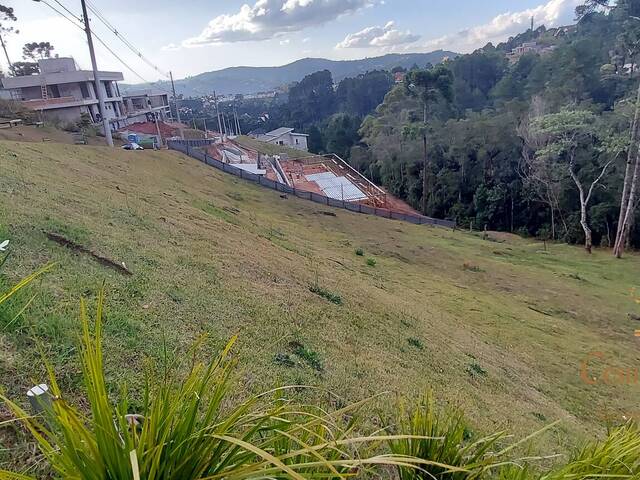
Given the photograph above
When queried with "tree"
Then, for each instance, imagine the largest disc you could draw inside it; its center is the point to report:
(6, 16)
(312, 99)
(628, 42)
(569, 134)
(22, 69)
(542, 178)
(430, 86)
(37, 50)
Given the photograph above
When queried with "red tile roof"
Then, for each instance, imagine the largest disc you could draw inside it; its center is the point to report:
(149, 128)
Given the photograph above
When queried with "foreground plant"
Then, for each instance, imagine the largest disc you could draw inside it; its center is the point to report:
(444, 437)
(186, 431)
(618, 456)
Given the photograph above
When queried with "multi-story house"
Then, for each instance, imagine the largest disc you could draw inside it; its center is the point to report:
(142, 105)
(63, 92)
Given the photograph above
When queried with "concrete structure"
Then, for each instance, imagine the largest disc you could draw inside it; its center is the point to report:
(140, 105)
(528, 47)
(62, 92)
(286, 136)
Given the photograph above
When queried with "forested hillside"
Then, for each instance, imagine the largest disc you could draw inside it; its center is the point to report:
(510, 145)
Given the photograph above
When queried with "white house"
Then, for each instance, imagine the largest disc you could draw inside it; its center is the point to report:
(286, 136)
(61, 91)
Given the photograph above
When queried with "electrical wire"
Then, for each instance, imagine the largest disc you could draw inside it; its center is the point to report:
(123, 39)
(97, 37)
(104, 44)
(77, 17)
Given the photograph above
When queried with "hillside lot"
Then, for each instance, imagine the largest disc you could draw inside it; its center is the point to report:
(500, 326)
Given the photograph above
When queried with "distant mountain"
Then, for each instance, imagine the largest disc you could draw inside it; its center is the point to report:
(259, 79)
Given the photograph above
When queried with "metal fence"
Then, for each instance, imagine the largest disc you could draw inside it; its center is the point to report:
(190, 148)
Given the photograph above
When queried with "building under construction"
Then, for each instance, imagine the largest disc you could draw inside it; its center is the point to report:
(327, 175)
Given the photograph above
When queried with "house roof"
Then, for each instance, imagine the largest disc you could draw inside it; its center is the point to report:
(149, 128)
(278, 132)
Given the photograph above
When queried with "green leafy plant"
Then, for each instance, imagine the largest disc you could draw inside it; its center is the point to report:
(332, 297)
(618, 456)
(359, 252)
(187, 428)
(371, 262)
(311, 357)
(442, 437)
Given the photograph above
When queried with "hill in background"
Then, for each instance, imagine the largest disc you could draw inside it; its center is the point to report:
(246, 80)
(500, 326)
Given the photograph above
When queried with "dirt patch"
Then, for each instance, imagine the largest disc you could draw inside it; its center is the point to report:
(107, 262)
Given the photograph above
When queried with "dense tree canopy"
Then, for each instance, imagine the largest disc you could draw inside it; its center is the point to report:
(485, 160)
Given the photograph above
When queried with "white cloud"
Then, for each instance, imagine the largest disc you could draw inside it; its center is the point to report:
(387, 36)
(552, 13)
(286, 41)
(269, 18)
(172, 47)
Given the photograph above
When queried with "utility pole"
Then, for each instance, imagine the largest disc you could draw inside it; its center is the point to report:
(236, 120)
(4, 47)
(175, 101)
(96, 78)
(160, 140)
(215, 99)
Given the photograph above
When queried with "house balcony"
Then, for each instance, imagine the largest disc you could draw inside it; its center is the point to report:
(63, 102)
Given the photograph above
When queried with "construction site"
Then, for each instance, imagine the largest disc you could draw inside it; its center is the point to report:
(327, 175)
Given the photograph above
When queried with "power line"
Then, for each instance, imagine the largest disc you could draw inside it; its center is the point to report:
(123, 39)
(102, 42)
(77, 17)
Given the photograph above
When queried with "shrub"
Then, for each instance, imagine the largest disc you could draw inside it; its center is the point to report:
(359, 252)
(371, 262)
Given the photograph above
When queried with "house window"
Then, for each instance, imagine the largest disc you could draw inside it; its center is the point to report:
(107, 87)
(297, 141)
(84, 91)
(54, 91)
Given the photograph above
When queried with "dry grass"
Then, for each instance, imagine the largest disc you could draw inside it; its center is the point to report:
(213, 254)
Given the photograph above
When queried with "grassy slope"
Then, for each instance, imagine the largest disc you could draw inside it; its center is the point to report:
(213, 254)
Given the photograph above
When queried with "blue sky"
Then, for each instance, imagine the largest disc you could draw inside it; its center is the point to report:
(193, 36)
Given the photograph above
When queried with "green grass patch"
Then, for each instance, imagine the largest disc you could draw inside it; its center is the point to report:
(310, 357)
(209, 208)
(324, 293)
(475, 370)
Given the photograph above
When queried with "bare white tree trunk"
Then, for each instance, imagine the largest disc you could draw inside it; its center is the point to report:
(629, 211)
(626, 201)
(584, 201)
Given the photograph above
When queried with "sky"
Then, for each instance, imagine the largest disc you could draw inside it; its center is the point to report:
(194, 36)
